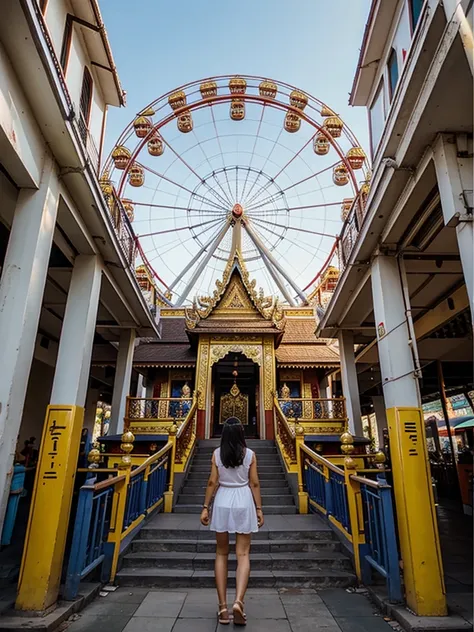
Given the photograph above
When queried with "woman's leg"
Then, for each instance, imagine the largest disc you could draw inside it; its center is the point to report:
(222, 555)
(242, 549)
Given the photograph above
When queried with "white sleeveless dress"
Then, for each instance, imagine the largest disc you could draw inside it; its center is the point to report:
(234, 510)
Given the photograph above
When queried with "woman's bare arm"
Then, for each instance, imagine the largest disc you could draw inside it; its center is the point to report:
(254, 483)
(212, 484)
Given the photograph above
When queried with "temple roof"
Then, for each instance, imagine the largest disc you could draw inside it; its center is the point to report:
(309, 356)
(236, 304)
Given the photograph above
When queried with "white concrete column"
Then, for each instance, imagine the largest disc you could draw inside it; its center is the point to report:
(456, 15)
(325, 387)
(21, 296)
(380, 417)
(455, 183)
(123, 373)
(400, 386)
(350, 386)
(77, 336)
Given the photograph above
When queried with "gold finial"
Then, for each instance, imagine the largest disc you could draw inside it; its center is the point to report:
(349, 463)
(347, 441)
(173, 429)
(94, 457)
(127, 446)
(379, 457)
(299, 430)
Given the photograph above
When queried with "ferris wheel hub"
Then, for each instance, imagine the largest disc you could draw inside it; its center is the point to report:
(237, 211)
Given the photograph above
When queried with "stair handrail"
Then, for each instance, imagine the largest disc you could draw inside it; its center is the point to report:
(186, 434)
(285, 436)
(359, 508)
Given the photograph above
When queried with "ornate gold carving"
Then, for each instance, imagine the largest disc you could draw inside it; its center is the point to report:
(202, 371)
(309, 312)
(180, 375)
(236, 337)
(268, 307)
(163, 410)
(268, 373)
(290, 375)
(234, 404)
(169, 313)
(307, 406)
(252, 352)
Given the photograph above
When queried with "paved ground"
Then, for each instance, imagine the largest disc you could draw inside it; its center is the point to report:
(268, 610)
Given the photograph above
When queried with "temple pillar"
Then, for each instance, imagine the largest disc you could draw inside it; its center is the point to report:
(123, 374)
(202, 372)
(269, 385)
(21, 296)
(415, 510)
(350, 386)
(40, 573)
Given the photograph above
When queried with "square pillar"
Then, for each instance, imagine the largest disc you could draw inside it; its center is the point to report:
(123, 374)
(417, 525)
(21, 296)
(40, 573)
(350, 386)
(455, 184)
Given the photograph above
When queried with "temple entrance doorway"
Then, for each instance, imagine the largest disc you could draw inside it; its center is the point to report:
(235, 384)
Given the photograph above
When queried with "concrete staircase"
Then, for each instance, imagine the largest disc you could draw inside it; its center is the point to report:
(176, 551)
(276, 494)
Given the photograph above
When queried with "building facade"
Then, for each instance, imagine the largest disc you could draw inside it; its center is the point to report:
(67, 255)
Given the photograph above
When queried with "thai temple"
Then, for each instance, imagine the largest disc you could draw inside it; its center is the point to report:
(237, 253)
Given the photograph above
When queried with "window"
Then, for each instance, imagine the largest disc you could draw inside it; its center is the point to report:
(85, 103)
(377, 118)
(392, 66)
(415, 11)
(67, 40)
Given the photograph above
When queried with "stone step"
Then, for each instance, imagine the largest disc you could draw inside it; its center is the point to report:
(269, 509)
(263, 451)
(267, 499)
(270, 487)
(307, 561)
(258, 546)
(204, 534)
(177, 578)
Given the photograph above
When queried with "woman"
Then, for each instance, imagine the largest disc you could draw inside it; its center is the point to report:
(237, 509)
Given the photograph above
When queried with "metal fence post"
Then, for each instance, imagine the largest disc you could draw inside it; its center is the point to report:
(393, 571)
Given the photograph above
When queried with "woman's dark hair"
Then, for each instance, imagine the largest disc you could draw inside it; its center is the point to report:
(233, 443)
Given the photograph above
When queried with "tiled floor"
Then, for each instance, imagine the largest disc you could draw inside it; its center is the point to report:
(268, 610)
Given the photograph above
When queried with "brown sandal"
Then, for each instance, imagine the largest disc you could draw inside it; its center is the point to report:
(223, 608)
(240, 618)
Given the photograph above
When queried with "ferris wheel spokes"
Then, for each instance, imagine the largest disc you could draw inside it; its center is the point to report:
(192, 281)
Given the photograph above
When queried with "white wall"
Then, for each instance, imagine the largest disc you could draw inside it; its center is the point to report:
(19, 132)
(55, 16)
(8, 197)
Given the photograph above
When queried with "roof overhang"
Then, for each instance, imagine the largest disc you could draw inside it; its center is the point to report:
(374, 41)
(90, 19)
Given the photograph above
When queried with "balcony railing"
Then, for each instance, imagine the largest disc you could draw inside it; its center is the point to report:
(89, 144)
(123, 228)
(310, 409)
(157, 409)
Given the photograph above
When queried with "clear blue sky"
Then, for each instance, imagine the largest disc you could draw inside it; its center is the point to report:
(311, 44)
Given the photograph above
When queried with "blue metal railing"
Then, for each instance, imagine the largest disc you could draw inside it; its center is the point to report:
(362, 510)
(91, 530)
(380, 551)
(328, 490)
(99, 532)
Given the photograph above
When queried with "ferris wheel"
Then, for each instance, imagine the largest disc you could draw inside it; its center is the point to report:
(236, 162)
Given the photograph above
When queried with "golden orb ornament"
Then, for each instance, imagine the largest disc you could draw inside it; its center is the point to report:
(94, 458)
(346, 437)
(349, 463)
(380, 457)
(299, 430)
